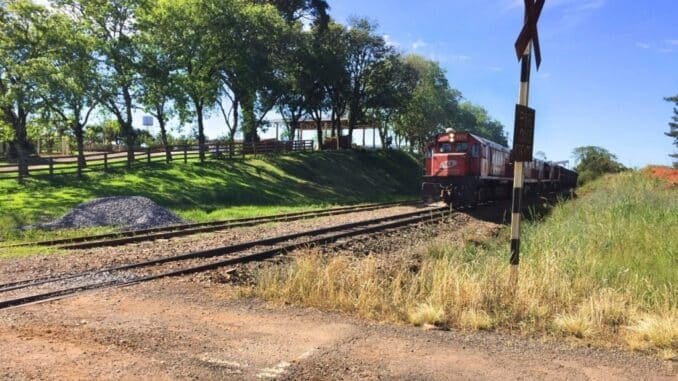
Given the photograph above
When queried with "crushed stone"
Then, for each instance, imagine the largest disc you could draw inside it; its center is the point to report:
(124, 212)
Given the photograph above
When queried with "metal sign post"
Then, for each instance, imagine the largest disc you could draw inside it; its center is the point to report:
(523, 134)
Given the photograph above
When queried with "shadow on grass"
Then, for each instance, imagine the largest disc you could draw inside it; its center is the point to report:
(534, 209)
(320, 178)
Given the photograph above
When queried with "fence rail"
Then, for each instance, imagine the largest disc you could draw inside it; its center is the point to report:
(104, 161)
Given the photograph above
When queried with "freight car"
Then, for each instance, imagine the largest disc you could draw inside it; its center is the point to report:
(463, 168)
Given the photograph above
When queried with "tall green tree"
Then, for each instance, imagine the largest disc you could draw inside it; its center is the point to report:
(673, 125)
(592, 162)
(476, 119)
(113, 26)
(333, 48)
(388, 89)
(184, 27)
(433, 105)
(23, 63)
(313, 79)
(160, 92)
(292, 102)
(366, 50)
(253, 40)
(72, 86)
(315, 11)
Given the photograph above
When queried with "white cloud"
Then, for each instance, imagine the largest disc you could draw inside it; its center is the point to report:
(672, 42)
(642, 45)
(419, 44)
(589, 5)
(390, 42)
(460, 58)
(665, 50)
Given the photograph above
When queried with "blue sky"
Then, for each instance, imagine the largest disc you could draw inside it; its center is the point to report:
(607, 64)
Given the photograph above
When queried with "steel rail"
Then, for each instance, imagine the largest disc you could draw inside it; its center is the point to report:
(323, 236)
(121, 238)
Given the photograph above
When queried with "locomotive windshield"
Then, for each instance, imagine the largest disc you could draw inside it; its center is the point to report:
(453, 147)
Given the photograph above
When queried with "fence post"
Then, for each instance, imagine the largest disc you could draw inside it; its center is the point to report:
(185, 154)
(148, 155)
(254, 148)
(51, 168)
(106, 161)
(217, 149)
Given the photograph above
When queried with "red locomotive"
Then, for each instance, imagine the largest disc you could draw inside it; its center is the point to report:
(463, 168)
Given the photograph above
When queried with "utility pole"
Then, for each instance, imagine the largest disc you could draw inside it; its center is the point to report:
(523, 134)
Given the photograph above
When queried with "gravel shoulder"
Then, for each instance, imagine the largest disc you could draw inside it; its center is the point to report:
(183, 329)
(83, 260)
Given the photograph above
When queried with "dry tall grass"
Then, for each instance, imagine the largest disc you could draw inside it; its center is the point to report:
(602, 267)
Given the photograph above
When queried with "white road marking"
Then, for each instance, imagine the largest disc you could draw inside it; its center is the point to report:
(280, 368)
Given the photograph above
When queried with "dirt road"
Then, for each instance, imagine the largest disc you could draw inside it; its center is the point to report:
(184, 329)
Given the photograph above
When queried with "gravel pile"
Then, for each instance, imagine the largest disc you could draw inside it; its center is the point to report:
(128, 213)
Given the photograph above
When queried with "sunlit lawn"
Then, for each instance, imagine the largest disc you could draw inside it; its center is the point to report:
(218, 189)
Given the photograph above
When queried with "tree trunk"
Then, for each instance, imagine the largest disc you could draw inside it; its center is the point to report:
(21, 145)
(333, 123)
(319, 129)
(234, 130)
(160, 114)
(80, 143)
(352, 120)
(249, 120)
(201, 131)
(294, 125)
(129, 141)
(128, 129)
(163, 137)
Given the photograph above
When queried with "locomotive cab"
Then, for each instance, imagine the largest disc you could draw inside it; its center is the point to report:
(464, 167)
(450, 157)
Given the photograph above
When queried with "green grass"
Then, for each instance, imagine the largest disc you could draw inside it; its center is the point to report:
(622, 233)
(219, 189)
(602, 267)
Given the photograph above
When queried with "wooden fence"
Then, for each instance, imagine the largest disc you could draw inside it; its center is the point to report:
(103, 161)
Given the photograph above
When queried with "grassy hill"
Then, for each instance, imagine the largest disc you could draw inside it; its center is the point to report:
(600, 268)
(223, 189)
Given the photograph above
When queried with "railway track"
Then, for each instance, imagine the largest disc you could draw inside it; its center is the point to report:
(123, 238)
(36, 290)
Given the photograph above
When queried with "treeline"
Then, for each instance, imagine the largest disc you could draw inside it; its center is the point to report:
(184, 59)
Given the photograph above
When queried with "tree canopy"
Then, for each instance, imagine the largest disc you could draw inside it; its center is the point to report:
(66, 66)
(593, 162)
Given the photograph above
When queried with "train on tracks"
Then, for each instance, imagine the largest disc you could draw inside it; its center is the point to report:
(462, 168)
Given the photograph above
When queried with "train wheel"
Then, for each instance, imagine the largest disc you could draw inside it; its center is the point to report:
(481, 195)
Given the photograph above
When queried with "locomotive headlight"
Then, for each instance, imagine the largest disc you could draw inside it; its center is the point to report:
(450, 133)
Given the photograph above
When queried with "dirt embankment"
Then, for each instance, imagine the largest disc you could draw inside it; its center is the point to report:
(670, 175)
